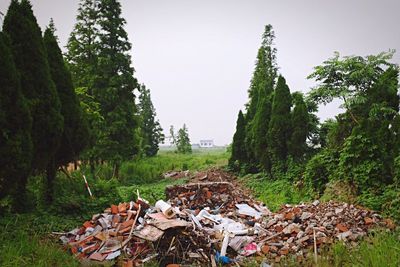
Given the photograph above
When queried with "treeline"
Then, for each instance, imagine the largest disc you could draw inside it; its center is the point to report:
(273, 132)
(57, 110)
(279, 133)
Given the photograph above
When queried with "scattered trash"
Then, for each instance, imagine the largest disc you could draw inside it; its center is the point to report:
(165, 208)
(214, 221)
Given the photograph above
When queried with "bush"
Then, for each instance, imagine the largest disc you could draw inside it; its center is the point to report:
(319, 170)
(386, 200)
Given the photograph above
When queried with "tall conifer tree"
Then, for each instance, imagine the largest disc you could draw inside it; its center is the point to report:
(261, 89)
(36, 83)
(15, 128)
(150, 128)
(300, 122)
(279, 132)
(83, 45)
(183, 141)
(114, 87)
(75, 132)
(260, 131)
(82, 61)
(238, 147)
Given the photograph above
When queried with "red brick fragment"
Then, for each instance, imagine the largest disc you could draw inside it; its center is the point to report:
(342, 227)
(121, 207)
(126, 224)
(98, 256)
(88, 224)
(368, 221)
(289, 216)
(265, 249)
(114, 209)
(284, 251)
(128, 263)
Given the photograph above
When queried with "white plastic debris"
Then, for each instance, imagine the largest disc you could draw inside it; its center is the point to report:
(245, 209)
(165, 208)
(113, 255)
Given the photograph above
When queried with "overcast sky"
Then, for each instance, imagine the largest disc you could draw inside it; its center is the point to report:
(197, 57)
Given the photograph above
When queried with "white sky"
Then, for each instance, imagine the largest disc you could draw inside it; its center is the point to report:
(197, 57)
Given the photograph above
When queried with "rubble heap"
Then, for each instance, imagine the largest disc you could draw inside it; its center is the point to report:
(210, 222)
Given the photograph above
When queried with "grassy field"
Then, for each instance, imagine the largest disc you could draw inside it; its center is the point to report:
(26, 240)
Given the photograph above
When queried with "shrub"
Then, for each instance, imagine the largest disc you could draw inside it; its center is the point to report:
(319, 170)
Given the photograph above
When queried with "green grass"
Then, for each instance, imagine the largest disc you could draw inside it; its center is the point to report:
(151, 192)
(147, 170)
(24, 241)
(274, 193)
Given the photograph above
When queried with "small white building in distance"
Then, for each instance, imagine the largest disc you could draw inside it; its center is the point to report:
(206, 143)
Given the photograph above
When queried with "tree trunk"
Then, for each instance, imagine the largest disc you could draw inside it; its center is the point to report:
(20, 198)
(50, 175)
(116, 170)
(92, 167)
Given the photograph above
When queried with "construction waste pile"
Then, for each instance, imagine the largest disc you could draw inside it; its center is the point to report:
(212, 223)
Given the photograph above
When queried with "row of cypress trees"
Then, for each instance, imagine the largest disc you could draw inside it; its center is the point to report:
(275, 127)
(42, 124)
(54, 112)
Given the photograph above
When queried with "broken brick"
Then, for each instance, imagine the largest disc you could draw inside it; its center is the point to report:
(114, 209)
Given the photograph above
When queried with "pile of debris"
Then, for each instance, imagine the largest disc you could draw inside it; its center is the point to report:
(208, 223)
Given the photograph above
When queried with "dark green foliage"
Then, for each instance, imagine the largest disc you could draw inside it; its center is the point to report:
(114, 88)
(348, 79)
(260, 128)
(366, 136)
(83, 45)
(75, 134)
(299, 119)
(15, 127)
(368, 154)
(324, 129)
(36, 83)
(261, 88)
(182, 141)
(82, 59)
(151, 130)
(279, 132)
(320, 169)
(239, 154)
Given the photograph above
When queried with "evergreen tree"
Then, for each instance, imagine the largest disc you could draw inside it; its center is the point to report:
(15, 128)
(36, 83)
(280, 125)
(299, 119)
(261, 89)
(257, 84)
(261, 123)
(238, 150)
(74, 137)
(82, 60)
(182, 141)
(114, 88)
(151, 130)
(83, 45)
(172, 134)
